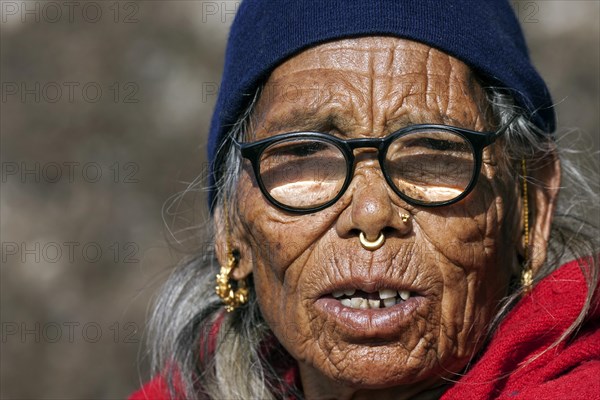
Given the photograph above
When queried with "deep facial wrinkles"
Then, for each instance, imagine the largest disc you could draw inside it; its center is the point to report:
(440, 252)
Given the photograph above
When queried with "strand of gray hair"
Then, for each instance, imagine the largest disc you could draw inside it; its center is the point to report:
(187, 305)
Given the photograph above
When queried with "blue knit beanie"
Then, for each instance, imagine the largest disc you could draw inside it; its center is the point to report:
(484, 34)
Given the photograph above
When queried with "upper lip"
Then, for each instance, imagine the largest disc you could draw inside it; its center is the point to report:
(370, 286)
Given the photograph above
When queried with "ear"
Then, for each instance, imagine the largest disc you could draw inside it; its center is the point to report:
(239, 245)
(543, 187)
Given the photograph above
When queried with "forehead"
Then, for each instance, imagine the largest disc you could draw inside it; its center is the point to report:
(377, 83)
(369, 55)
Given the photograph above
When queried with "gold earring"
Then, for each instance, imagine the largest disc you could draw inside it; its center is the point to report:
(404, 217)
(526, 273)
(231, 298)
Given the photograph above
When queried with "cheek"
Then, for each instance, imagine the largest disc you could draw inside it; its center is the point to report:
(281, 246)
(470, 294)
(473, 255)
(283, 306)
(276, 239)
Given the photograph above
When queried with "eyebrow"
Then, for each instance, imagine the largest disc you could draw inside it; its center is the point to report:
(303, 120)
(312, 120)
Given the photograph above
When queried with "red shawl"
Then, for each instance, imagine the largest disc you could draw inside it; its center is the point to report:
(571, 370)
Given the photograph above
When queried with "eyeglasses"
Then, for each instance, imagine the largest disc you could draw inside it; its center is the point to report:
(426, 165)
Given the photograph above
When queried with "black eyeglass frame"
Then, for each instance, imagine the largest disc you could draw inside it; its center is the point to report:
(477, 140)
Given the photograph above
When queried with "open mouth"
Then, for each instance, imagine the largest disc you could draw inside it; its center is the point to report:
(361, 300)
(367, 311)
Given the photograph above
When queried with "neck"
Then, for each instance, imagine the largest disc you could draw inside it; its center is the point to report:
(318, 387)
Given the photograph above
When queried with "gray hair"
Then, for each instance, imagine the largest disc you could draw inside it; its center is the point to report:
(238, 368)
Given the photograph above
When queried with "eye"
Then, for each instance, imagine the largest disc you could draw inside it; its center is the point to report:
(443, 145)
(302, 149)
(448, 143)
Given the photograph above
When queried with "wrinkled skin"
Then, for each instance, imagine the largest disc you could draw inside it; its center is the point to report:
(460, 257)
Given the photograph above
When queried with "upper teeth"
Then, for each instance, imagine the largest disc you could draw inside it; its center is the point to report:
(387, 298)
(348, 292)
(386, 293)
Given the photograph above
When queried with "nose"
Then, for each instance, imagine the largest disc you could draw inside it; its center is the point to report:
(372, 210)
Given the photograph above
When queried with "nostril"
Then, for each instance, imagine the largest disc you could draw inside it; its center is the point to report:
(388, 231)
(354, 232)
(371, 235)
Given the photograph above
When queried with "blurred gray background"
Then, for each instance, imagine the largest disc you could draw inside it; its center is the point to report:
(104, 113)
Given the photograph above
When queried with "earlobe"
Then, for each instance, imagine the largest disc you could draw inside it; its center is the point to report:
(232, 294)
(229, 242)
(543, 187)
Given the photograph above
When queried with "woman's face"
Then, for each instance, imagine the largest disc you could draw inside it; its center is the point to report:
(455, 261)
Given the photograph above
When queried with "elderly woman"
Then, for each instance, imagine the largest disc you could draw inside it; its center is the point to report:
(384, 196)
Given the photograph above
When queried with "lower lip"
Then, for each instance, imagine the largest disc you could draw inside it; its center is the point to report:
(379, 323)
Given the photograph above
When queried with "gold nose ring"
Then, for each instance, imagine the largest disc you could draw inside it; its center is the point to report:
(371, 245)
